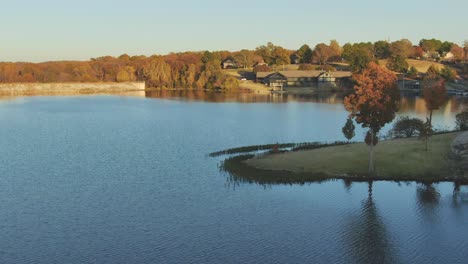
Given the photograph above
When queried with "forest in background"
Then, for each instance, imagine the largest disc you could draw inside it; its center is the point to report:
(203, 70)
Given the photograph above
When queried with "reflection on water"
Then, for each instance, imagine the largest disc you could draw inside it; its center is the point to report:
(111, 179)
(411, 103)
(366, 237)
(428, 195)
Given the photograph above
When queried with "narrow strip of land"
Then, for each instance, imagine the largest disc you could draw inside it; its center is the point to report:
(400, 159)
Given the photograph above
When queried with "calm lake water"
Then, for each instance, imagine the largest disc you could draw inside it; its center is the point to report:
(120, 179)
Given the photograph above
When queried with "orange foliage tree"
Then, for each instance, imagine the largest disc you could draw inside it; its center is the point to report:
(374, 103)
(434, 94)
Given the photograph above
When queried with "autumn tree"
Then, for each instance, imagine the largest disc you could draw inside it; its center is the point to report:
(281, 56)
(458, 52)
(211, 76)
(434, 94)
(244, 58)
(322, 54)
(127, 74)
(190, 75)
(417, 52)
(273, 55)
(348, 129)
(157, 73)
(373, 103)
(336, 50)
(401, 48)
(229, 83)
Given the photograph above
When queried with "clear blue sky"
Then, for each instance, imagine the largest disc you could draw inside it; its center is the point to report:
(78, 30)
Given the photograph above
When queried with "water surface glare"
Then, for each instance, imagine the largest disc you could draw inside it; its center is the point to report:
(110, 179)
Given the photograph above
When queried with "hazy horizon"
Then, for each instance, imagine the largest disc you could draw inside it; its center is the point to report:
(53, 30)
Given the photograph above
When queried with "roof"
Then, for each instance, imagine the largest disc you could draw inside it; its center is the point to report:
(229, 60)
(341, 74)
(305, 74)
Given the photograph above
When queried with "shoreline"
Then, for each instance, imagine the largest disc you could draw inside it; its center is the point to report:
(349, 162)
(68, 88)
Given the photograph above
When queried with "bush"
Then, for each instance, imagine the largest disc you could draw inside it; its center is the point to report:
(412, 73)
(229, 83)
(462, 121)
(448, 74)
(407, 127)
(348, 129)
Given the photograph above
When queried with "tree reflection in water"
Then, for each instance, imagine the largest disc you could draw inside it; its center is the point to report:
(428, 200)
(348, 184)
(428, 195)
(366, 237)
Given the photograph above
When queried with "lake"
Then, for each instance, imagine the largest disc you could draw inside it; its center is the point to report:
(127, 179)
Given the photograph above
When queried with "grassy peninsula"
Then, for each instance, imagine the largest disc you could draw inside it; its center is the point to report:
(397, 160)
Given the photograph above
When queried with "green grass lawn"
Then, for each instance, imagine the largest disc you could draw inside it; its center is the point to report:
(401, 159)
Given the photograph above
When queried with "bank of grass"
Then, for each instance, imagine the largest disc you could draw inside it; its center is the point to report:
(398, 160)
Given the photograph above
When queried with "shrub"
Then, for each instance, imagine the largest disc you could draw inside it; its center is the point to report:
(229, 83)
(412, 73)
(462, 121)
(448, 74)
(407, 127)
(348, 129)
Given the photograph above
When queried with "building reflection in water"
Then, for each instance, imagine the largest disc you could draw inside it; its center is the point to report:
(411, 104)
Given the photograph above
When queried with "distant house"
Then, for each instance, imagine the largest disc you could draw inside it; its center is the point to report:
(326, 77)
(260, 63)
(229, 64)
(448, 56)
(431, 55)
(304, 78)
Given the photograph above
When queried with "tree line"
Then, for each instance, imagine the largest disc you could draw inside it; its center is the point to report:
(197, 70)
(203, 70)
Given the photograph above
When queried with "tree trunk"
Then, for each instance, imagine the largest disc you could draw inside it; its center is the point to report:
(371, 155)
(371, 160)
(430, 127)
(430, 118)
